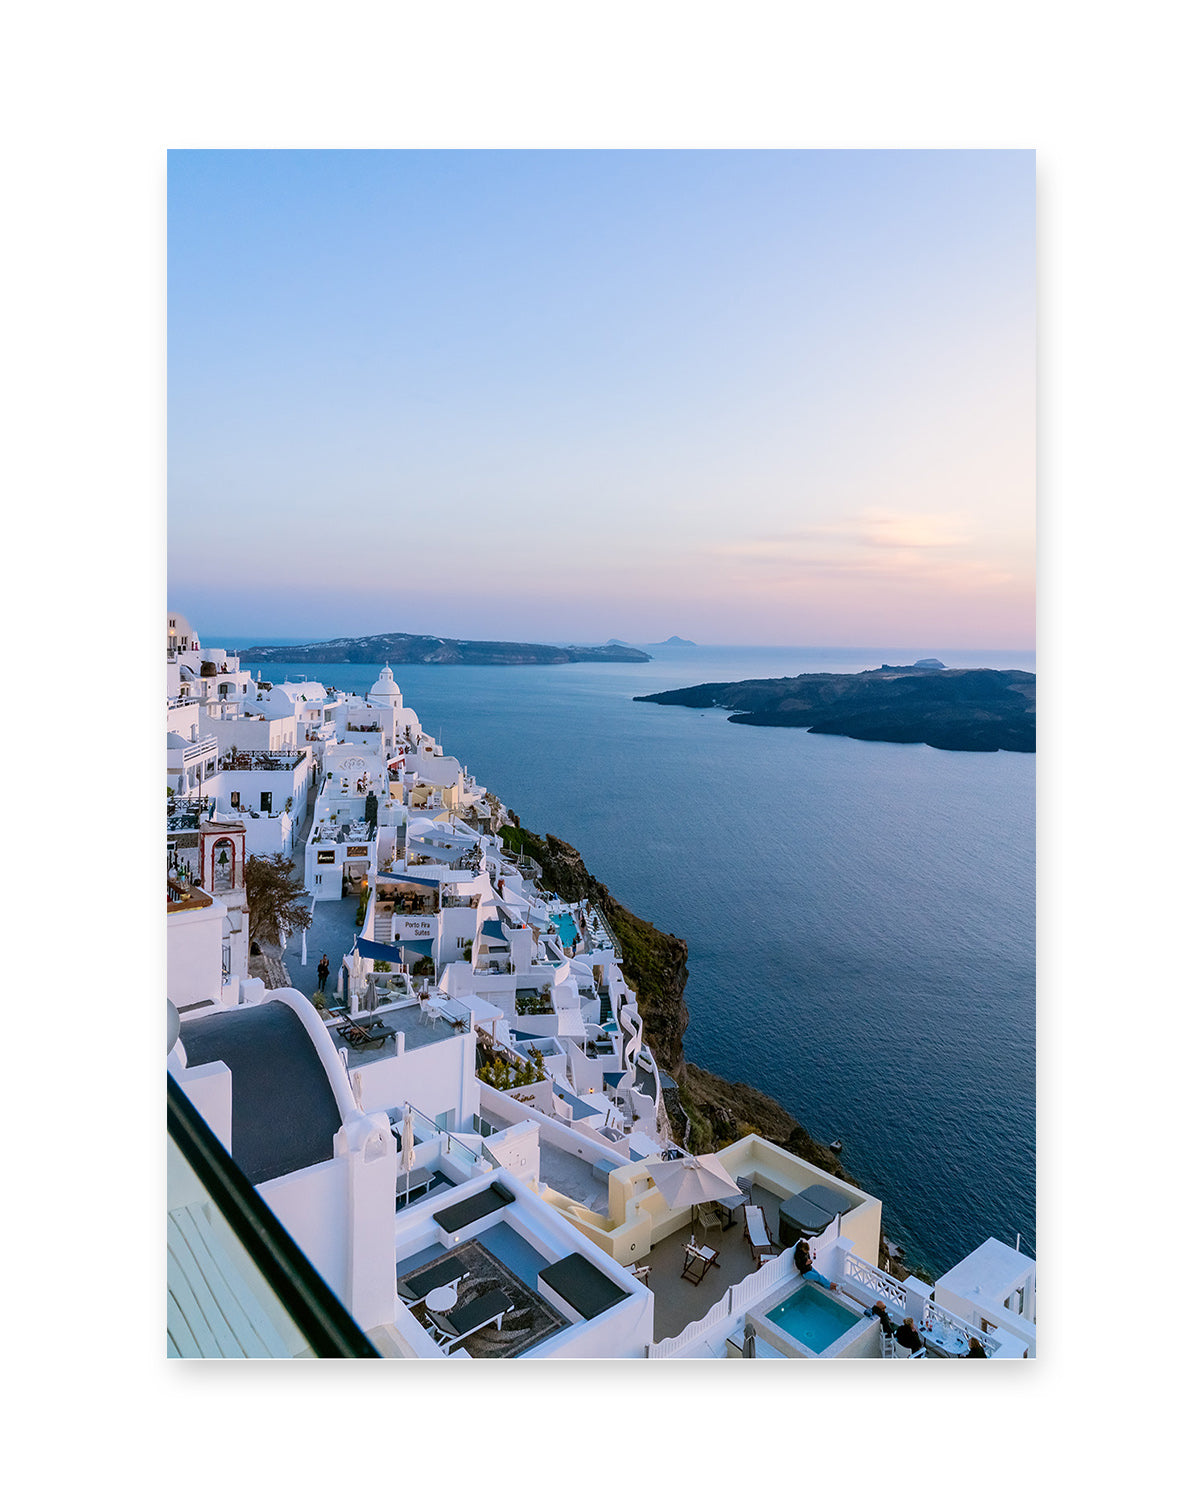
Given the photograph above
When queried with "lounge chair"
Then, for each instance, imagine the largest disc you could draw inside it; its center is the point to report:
(359, 1037)
(461, 1322)
(698, 1260)
(414, 1289)
(756, 1232)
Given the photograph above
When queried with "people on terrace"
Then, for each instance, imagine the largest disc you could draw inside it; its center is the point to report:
(804, 1264)
(908, 1337)
(975, 1350)
(885, 1323)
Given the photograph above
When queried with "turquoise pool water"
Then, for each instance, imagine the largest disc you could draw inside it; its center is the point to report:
(812, 1319)
(567, 929)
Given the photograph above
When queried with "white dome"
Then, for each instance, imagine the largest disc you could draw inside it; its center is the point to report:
(386, 687)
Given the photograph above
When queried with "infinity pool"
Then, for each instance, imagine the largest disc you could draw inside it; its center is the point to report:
(812, 1318)
(567, 929)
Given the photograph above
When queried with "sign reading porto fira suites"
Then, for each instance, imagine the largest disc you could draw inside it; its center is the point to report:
(413, 927)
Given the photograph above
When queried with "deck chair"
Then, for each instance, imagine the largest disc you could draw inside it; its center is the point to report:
(756, 1232)
(698, 1260)
(461, 1322)
(888, 1347)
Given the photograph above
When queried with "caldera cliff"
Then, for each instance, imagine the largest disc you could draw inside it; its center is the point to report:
(718, 1109)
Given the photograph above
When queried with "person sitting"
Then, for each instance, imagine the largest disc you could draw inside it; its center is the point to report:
(908, 1337)
(804, 1265)
(975, 1350)
(885, 1323)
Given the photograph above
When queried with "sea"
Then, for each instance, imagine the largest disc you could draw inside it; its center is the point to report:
(859, 917)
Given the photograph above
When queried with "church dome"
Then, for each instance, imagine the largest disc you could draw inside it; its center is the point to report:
(386, 690)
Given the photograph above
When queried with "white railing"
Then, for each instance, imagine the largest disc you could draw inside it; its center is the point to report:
(770, 1274)
(936, 1316)
(199, 749)
(873, 1284)
(670, 1348)
(733, 1300)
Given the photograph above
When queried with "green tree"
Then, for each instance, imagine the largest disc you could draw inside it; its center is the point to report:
(275, 898)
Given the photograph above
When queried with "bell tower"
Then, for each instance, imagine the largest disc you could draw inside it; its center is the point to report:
(223, 875)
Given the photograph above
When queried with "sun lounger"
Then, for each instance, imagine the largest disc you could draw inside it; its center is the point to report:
(461, 1322)
(414, 1289)
(359, 1037)
(756, 1232)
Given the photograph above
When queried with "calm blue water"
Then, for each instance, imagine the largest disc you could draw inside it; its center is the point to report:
(812, 1318)
(567, 929)
(860, 917)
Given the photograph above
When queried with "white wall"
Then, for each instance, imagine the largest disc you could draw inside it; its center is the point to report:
(194, 954)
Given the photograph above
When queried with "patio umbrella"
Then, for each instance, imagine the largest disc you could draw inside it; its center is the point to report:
(692, 1179)
(408, 1149)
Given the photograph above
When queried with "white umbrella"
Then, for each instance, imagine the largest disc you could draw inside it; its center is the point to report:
(692, 1179)
(408, 1148)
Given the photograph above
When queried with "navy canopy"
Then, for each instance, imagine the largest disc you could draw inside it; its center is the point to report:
(395, 878)
(367, 949)
(494, 930)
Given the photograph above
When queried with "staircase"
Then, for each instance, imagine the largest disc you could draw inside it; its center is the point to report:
(383, 926)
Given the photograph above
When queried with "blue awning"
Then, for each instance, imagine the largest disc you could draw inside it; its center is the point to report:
(422, 947)
(394, 878)
(493, 930)
(613, 1079)
(367, 949)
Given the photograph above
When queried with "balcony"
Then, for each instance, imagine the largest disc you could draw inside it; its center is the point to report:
(262, 760)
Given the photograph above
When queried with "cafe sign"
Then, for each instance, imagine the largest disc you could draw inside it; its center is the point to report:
(355, 850)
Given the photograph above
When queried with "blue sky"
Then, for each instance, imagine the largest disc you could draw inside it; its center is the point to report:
(777, 397)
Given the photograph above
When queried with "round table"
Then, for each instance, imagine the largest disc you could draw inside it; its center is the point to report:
(441, 1299)
(947, 1342)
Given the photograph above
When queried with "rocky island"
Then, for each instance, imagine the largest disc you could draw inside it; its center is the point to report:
(948, 708)
(430, 650)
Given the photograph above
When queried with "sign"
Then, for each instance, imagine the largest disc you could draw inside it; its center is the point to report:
(326, 856)
(416, 928)
(353, 850)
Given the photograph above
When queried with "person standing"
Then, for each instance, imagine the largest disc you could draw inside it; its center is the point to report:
(323, 972)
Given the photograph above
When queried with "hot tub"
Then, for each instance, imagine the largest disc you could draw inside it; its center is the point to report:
(818, 1323)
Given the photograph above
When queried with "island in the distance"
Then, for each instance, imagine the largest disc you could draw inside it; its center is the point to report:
(409, 650)
(949, 708)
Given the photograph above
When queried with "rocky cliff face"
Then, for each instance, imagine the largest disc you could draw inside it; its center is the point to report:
(655, 963)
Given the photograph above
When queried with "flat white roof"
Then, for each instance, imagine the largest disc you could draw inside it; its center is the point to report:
(991, 1271)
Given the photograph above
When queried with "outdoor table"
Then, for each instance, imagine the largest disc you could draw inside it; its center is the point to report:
(729, 1206)
(947, 1342)
(441, 1299)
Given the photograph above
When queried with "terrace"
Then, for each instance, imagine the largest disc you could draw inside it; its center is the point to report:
(405, 1027)
(678, 1303)
(498, 1245)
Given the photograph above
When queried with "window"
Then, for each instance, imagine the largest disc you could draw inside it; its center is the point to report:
(235, 799)
(264, 802)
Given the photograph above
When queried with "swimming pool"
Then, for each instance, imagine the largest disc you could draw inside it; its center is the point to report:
(813, 1319)
(567, 929)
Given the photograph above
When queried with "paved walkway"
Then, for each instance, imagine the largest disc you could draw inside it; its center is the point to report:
(332, 931)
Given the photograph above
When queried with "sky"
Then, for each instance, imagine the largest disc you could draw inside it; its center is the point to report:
(744, 397)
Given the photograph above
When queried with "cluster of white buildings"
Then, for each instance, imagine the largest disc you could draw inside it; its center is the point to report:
(465, 1134)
